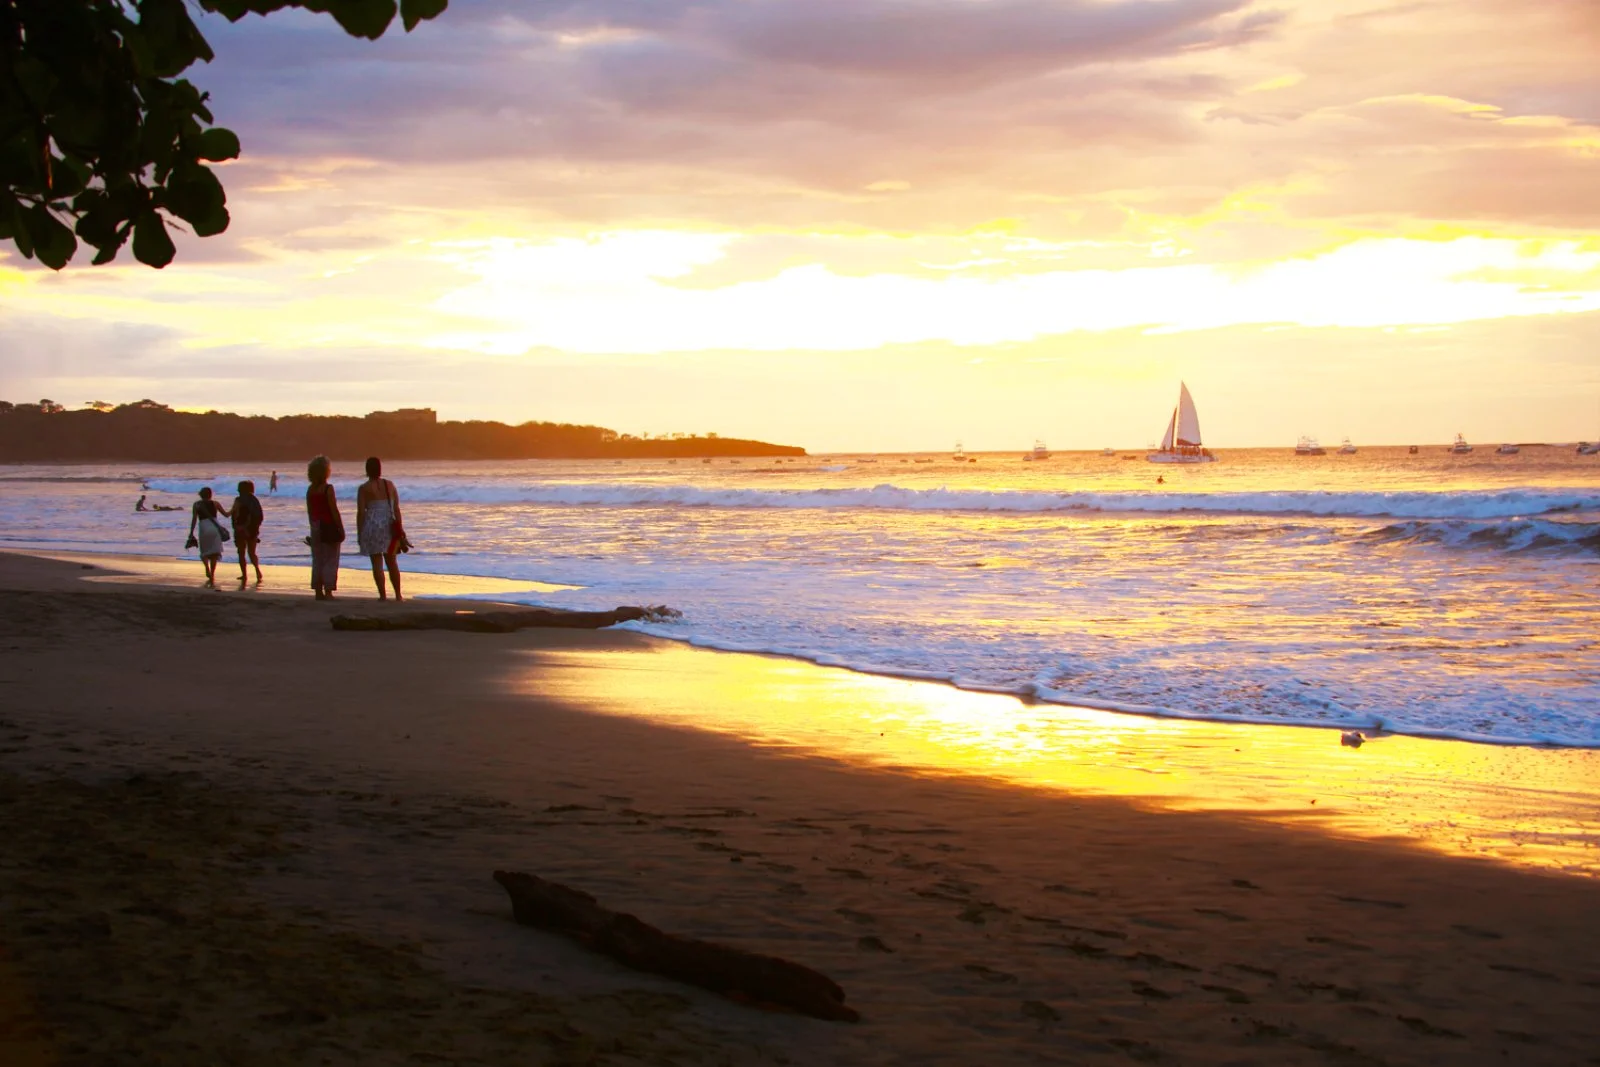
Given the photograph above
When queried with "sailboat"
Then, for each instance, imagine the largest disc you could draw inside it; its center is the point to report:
(1181, 444)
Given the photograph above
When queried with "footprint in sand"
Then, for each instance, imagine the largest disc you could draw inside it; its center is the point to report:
(989, 974)
(1423, 1026)
(1334, 942)
(1476, 931)
(1230, 994)
(1145, 989)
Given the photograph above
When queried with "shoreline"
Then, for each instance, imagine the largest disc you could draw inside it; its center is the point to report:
(971, 917)
(163, 570)
(1445, 794)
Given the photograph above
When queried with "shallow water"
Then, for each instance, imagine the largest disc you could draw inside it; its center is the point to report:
(1429, 594)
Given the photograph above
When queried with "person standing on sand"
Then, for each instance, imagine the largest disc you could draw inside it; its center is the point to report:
(327, 528)
(205, 532)
(378, 525)
(247, 518)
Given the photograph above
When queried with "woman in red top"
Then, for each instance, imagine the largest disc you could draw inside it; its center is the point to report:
(327, 528)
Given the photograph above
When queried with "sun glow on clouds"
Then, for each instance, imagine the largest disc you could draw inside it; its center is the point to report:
(615, 294)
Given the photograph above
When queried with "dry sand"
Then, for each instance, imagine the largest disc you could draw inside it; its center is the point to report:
(233, 834)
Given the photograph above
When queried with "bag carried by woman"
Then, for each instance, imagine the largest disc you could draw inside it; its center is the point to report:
(331, 531)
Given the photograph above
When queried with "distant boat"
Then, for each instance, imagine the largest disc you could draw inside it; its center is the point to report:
(1039, 452)
(1587, 449)
(1413, 450)
(1181, 443)
(1460, 448)
(960, 454)
(1307, 446)
(1347, 449)
(1108, 452)
(1507, 450)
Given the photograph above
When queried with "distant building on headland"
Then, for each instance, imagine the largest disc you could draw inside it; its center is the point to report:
(426, 415)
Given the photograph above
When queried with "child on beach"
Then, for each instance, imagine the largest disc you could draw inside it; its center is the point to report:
(203, 522)
(247, 518)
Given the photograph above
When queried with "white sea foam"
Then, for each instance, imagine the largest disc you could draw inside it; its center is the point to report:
(1437, 602)
(1488, 504)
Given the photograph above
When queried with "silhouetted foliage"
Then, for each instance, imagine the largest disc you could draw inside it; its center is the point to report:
(151, 432)
(98, 128)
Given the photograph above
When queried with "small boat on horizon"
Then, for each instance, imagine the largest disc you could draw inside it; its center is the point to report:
(1460, 448)
(1413, 450)
(1508, 450)
(1586, 448)
(960, 454)
(1108, 452)
(1181, 443)
(1039, 452)
(1307, 446)
(1346, 448)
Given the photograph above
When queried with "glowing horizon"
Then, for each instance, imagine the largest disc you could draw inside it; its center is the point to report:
(1027, 218)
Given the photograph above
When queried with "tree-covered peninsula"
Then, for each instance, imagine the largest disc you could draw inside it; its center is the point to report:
(45, 432)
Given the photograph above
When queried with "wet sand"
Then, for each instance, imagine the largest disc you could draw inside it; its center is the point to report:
(233, 833)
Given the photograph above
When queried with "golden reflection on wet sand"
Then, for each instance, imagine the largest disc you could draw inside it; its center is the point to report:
(355, 579)
(1527, 806)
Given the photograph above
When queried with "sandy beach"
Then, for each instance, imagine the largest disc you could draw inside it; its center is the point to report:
(233, 833)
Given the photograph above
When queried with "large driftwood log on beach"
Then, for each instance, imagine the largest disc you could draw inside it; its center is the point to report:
(494, 622)
(734, 973)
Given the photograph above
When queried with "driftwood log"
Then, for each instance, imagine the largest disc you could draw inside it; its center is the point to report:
(492, 622)
(734, 973)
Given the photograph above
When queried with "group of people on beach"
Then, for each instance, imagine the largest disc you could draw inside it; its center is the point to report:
(379, 532)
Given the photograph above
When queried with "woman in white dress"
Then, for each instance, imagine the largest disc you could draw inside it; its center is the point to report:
(378, 526)
(206, 532)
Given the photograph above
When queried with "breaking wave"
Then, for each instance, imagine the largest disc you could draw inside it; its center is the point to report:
(1500, 504)
(1514, 535)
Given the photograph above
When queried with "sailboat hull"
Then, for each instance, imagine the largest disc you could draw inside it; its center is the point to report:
(1179, 457)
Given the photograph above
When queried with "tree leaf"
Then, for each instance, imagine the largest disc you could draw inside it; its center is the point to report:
(52, 241)
(151, 244)
(19, 230)
(217, 144)
(195, 196)
(415, 11)
(362, 18)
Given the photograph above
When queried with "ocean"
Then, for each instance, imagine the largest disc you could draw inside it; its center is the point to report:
(1429, 594)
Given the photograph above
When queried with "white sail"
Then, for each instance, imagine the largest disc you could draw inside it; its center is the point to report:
(1187, 419)
(1181, 444)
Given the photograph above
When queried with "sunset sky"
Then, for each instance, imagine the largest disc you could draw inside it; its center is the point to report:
(883, 224)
